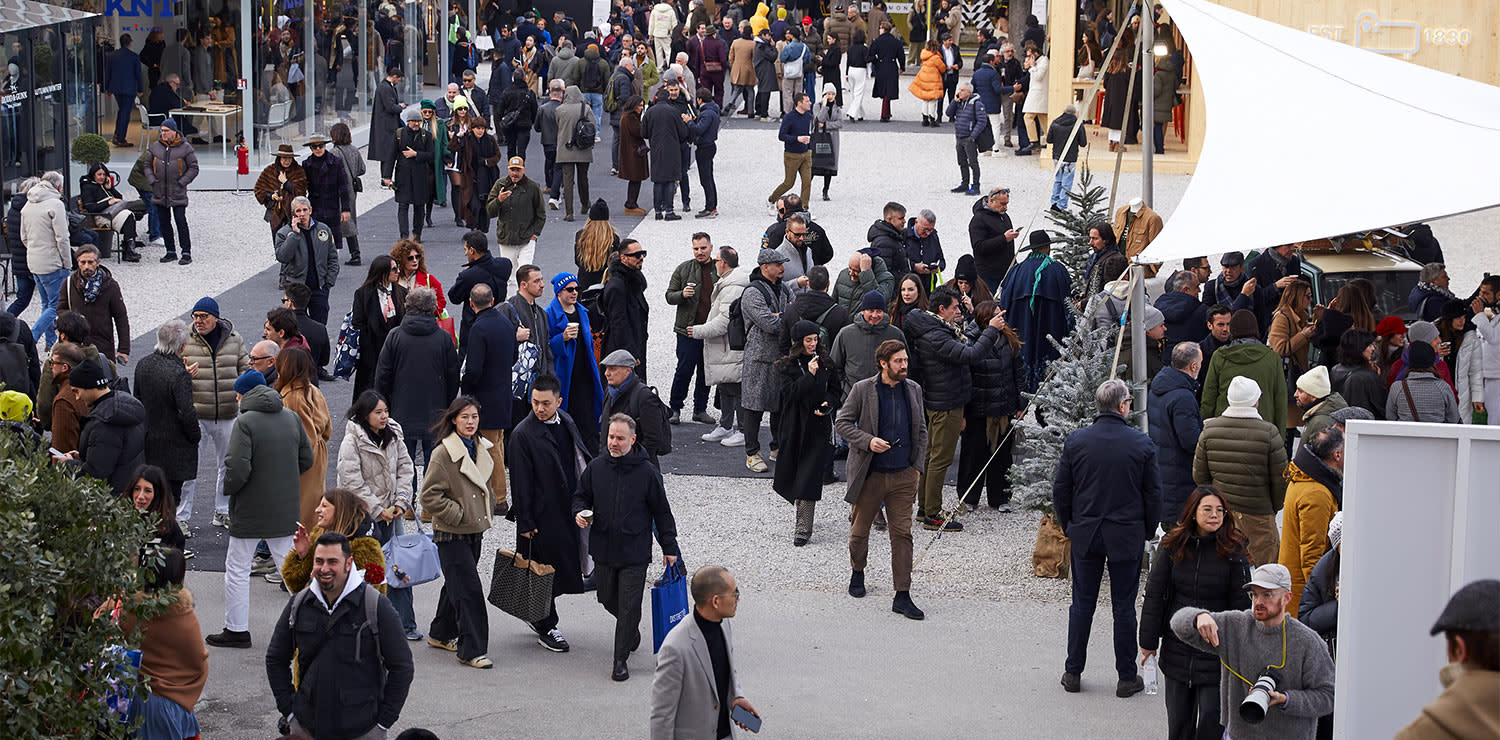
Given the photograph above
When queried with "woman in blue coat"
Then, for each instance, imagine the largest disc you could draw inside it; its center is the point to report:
(571, 338)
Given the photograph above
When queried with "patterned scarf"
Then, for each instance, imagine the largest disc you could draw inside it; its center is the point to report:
(91, 286)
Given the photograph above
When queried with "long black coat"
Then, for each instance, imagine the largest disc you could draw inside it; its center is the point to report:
(1203, 580)
(806, 445)
(164, 387)
(487, 369)
(1115, 86)
(385, 118)
(663, 129)
(629, 501)
(373, 328)
(413, 179)
(418, 372)
(623, 302)
(541, 499)
(888, 59)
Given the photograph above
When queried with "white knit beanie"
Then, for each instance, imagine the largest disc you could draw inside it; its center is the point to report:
(1243, 392)
(1336, 531)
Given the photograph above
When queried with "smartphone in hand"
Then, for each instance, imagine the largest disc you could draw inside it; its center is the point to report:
(743, 716)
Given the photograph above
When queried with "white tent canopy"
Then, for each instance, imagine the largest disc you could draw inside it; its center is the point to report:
(1309, 138)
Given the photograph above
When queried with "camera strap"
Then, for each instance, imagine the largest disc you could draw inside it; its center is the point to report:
(1277, 667)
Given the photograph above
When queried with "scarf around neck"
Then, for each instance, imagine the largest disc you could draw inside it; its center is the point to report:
(91, 286)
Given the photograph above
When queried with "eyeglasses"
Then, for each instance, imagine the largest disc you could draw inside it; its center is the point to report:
(1210, 510)
(55, 361)
(201, 316)
(798, 234)
(735, 593)
(260, 358)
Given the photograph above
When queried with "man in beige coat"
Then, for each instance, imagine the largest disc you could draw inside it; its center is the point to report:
(741, 71)
(695, 687)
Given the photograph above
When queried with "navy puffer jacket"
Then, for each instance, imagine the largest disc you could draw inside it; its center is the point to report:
(1175, 424)
(998, 379)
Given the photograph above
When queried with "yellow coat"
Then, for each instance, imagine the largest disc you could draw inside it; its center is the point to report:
(759, 22)
(928, 84)
(297, 572)
(1308, 509)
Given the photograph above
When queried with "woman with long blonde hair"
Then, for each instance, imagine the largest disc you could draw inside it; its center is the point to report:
(593, 246)
(296, 381)
(1292, 328)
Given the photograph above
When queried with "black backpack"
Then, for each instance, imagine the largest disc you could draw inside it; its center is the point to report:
(736, 333)
(15, 371)
(584, 130)
(655, 405)
(593, 79)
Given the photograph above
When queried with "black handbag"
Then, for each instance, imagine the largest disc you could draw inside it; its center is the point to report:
(521, 587)
(824, 161)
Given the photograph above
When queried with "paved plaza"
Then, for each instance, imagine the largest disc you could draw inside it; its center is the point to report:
(816, 663)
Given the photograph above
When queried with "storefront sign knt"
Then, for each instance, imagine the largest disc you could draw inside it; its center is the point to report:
(138, 8)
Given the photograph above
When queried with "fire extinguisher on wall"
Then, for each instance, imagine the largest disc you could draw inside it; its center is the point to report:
(242, 155)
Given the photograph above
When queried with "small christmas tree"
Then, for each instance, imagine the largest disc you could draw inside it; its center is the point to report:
(1065, 400)
(1072, 248)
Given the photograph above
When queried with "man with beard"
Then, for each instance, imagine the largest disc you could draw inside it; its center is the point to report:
(623, 302)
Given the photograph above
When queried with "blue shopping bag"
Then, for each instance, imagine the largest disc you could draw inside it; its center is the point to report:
(669, 603)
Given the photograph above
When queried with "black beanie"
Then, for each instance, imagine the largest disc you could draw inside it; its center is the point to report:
(1420, 356)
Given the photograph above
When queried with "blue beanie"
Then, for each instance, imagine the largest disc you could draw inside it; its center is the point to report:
(561, 281)
(873, 301)
(207, 305)
(170, 123)
(251, 379)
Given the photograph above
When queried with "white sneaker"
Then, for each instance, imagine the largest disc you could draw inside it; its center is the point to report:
(187, 532)
(737, 439)
(553, 203)
(717, 434)
(755, 464)
(221, 520)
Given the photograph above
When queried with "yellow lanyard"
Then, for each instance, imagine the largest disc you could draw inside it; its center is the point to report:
(1277, 667)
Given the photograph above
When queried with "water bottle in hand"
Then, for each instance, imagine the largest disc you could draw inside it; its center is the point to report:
(1149, 675)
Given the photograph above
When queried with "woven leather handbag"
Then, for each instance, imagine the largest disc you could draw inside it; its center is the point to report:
(521, 587)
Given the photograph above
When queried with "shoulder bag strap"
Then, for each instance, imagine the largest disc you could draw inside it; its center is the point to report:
(1411, 406)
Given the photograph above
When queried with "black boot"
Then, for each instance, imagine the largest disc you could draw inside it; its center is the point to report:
(353, 243)
(130, 248)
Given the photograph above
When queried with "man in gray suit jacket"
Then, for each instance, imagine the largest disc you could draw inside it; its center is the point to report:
(883, 421)
(695, 684)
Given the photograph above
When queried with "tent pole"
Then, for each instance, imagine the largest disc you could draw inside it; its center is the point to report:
(1148, 130)
(1137, 331)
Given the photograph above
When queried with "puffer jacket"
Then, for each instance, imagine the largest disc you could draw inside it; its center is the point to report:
(113, 441)
(169, 172)
(1187, 317)
(928, 84)
(1433, 399)
(381, 477)
(268, 453)
(1320, 416)
(1314, 494)
(13, 236)
(850, 294)
(44, 230)
(722, 364)
(417, 371)
(629, 504)
(213, 385)
(1468, 373)
(853, 349)
(1175, 426)
(892, 245)
(1202, 579)
(1318, 609)
(993, 253)
(946, 359)
(998, 379)
(1244, 459)
(1255, 361)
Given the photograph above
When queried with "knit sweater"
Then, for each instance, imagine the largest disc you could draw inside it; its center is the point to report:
(1248, 647)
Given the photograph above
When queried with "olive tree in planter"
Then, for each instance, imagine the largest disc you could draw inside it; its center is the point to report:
(68, 550)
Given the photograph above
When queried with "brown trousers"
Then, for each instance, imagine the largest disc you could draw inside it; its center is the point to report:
(1265, 541)
(898, 492)
(496, 438)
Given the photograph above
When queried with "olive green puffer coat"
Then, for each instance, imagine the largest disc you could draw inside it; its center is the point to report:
(1244, 459)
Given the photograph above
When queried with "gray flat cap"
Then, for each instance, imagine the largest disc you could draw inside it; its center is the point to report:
(770, 257)
(619, 358)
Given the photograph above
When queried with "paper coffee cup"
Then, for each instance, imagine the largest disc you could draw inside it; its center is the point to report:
(588, 515)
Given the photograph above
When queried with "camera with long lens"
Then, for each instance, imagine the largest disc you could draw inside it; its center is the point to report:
(1253, 708)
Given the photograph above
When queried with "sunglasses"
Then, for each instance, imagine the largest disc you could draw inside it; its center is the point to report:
(638, 255)
(315, 146)
(570, 289)
(413, 258)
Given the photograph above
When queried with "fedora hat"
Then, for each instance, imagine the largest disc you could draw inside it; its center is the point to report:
(317, 139)
(286, 150)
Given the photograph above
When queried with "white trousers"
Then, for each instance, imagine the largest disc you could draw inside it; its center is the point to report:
(997, 127)
(859, 79)
(214, 445)
(518, 254)
(237, 577)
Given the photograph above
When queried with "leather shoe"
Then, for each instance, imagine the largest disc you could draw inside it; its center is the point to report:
(229, 639)
(353, 261)
(1129, 688)
(902, 605)
(857, 584)
(621, 671)
(1072, 682)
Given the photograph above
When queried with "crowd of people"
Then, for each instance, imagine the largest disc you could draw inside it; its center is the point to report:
(542, 412)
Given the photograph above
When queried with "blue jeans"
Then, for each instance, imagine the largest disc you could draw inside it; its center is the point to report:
(153, 219)
(1159, 136)
(400, 597)
(1062, 184)
(25, 286)
(596, 101)
(689, 362)
(49, 287)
